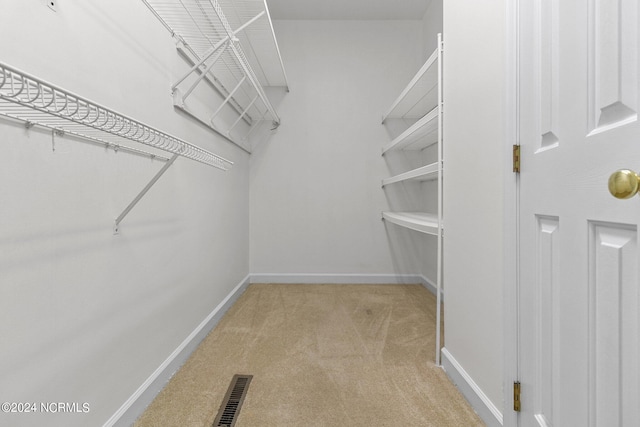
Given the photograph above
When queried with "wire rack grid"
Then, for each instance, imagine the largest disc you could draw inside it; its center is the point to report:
(35, 101)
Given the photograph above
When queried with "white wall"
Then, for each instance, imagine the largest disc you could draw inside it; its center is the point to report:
(315, 186)
(475, 164)
(86, 316)
(431, 26)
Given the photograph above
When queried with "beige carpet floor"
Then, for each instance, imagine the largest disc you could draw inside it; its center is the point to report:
(320, 355)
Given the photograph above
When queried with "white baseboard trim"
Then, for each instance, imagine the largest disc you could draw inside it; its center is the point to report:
(138, 402)
(431, 287)
(489, 413)
(345, 279)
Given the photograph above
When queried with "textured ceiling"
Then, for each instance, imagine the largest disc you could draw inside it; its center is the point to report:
(347, 9)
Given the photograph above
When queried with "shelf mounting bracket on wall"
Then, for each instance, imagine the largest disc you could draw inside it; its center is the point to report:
(167, 165)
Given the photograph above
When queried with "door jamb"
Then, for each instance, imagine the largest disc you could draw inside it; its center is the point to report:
(511, 214)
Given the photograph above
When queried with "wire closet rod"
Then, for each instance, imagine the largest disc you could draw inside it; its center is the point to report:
(36, 101)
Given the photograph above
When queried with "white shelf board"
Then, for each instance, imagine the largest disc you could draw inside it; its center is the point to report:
(421, 134)
(423, 173)
(420, 95)
(418, 221)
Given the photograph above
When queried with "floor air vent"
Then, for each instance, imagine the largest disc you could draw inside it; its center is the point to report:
(230, 407)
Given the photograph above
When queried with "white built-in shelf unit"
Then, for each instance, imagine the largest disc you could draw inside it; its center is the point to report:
(231, 45)
(420, 104)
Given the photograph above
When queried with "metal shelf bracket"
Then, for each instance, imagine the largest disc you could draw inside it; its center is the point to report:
(141, 194)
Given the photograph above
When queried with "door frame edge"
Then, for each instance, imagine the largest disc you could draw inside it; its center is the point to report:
(511, 220)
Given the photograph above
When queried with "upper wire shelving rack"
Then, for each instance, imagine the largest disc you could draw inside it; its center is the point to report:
(232, 45)
(37, 102)
(419, 101)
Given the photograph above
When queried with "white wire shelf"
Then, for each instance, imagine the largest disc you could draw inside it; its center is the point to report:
(37, 102)
(418, 136)
(232, 44)
(420, 95)
(424, 173)
(418, 221)
(261, 46)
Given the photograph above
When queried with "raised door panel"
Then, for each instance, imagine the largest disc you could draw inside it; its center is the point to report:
(614, 320)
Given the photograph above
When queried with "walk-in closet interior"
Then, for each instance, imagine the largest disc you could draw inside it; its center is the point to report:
(164, 161)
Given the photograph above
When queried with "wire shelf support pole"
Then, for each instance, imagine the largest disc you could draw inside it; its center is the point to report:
(214, 49)
(199, 63)
(273, 34)
(205, 72)
(226, 100)
(253, 101)
(191, 56)
(440, 210)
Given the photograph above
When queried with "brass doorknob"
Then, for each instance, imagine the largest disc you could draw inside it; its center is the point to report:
(624, 184)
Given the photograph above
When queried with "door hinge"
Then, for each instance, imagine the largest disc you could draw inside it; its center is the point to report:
(516, 158)
(516, 396)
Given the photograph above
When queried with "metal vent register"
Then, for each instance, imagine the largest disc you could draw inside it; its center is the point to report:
(230, 407)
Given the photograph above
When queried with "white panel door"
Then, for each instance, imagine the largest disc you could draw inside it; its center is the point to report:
(579, 299)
